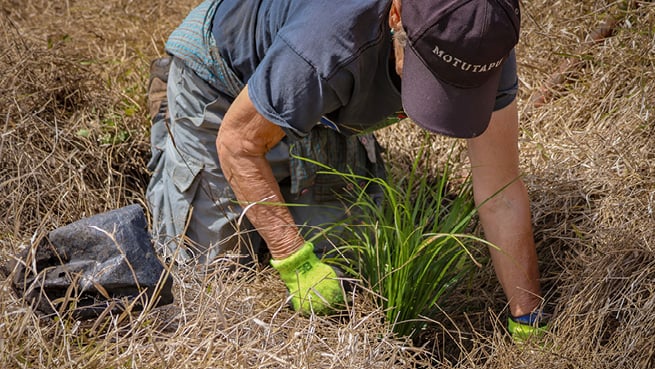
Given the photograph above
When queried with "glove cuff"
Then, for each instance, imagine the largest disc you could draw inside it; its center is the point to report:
(296, 263)
(536, 317)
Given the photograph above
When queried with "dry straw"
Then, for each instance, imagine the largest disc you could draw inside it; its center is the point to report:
(74, 142)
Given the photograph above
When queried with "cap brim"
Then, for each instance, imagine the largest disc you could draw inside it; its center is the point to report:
(443, 108)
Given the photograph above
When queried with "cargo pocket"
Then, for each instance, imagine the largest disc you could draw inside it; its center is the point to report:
(158, 139)
(182, 172)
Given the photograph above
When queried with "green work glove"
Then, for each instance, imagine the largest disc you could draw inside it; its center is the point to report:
(313, 285)
(524, 330)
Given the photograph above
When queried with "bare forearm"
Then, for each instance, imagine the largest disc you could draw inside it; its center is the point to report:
(505, 209)
(255, 187)
(507, 225)
(242, 143)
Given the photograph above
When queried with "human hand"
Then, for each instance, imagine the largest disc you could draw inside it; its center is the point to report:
(313, 285)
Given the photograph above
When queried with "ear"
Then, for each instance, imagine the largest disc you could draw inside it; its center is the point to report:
(394, 16)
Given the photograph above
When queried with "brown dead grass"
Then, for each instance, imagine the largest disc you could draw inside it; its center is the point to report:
(587, 156)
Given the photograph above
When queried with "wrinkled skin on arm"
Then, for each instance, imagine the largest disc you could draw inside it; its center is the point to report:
(243, 140)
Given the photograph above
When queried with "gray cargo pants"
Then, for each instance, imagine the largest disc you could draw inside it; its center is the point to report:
(194, 211)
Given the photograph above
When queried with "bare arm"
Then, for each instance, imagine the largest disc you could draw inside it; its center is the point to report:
(243, 140)
(506, 217)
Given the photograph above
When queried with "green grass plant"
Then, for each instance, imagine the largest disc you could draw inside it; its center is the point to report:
(410, 241)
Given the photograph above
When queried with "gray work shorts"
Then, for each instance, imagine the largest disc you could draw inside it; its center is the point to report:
(194, 211)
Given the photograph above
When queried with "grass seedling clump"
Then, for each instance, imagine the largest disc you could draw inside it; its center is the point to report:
(410, 241)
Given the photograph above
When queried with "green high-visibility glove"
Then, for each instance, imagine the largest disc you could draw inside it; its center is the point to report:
(313, 285)
(522, 332)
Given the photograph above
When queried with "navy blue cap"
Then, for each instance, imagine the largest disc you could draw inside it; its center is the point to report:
(453, 58)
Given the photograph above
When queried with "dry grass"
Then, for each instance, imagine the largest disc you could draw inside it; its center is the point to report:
(587, 157)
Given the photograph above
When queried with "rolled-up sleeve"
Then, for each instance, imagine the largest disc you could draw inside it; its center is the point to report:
(287, 90)
(509, 83)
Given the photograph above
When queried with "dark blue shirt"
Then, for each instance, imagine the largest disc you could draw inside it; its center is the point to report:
(305, 59)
